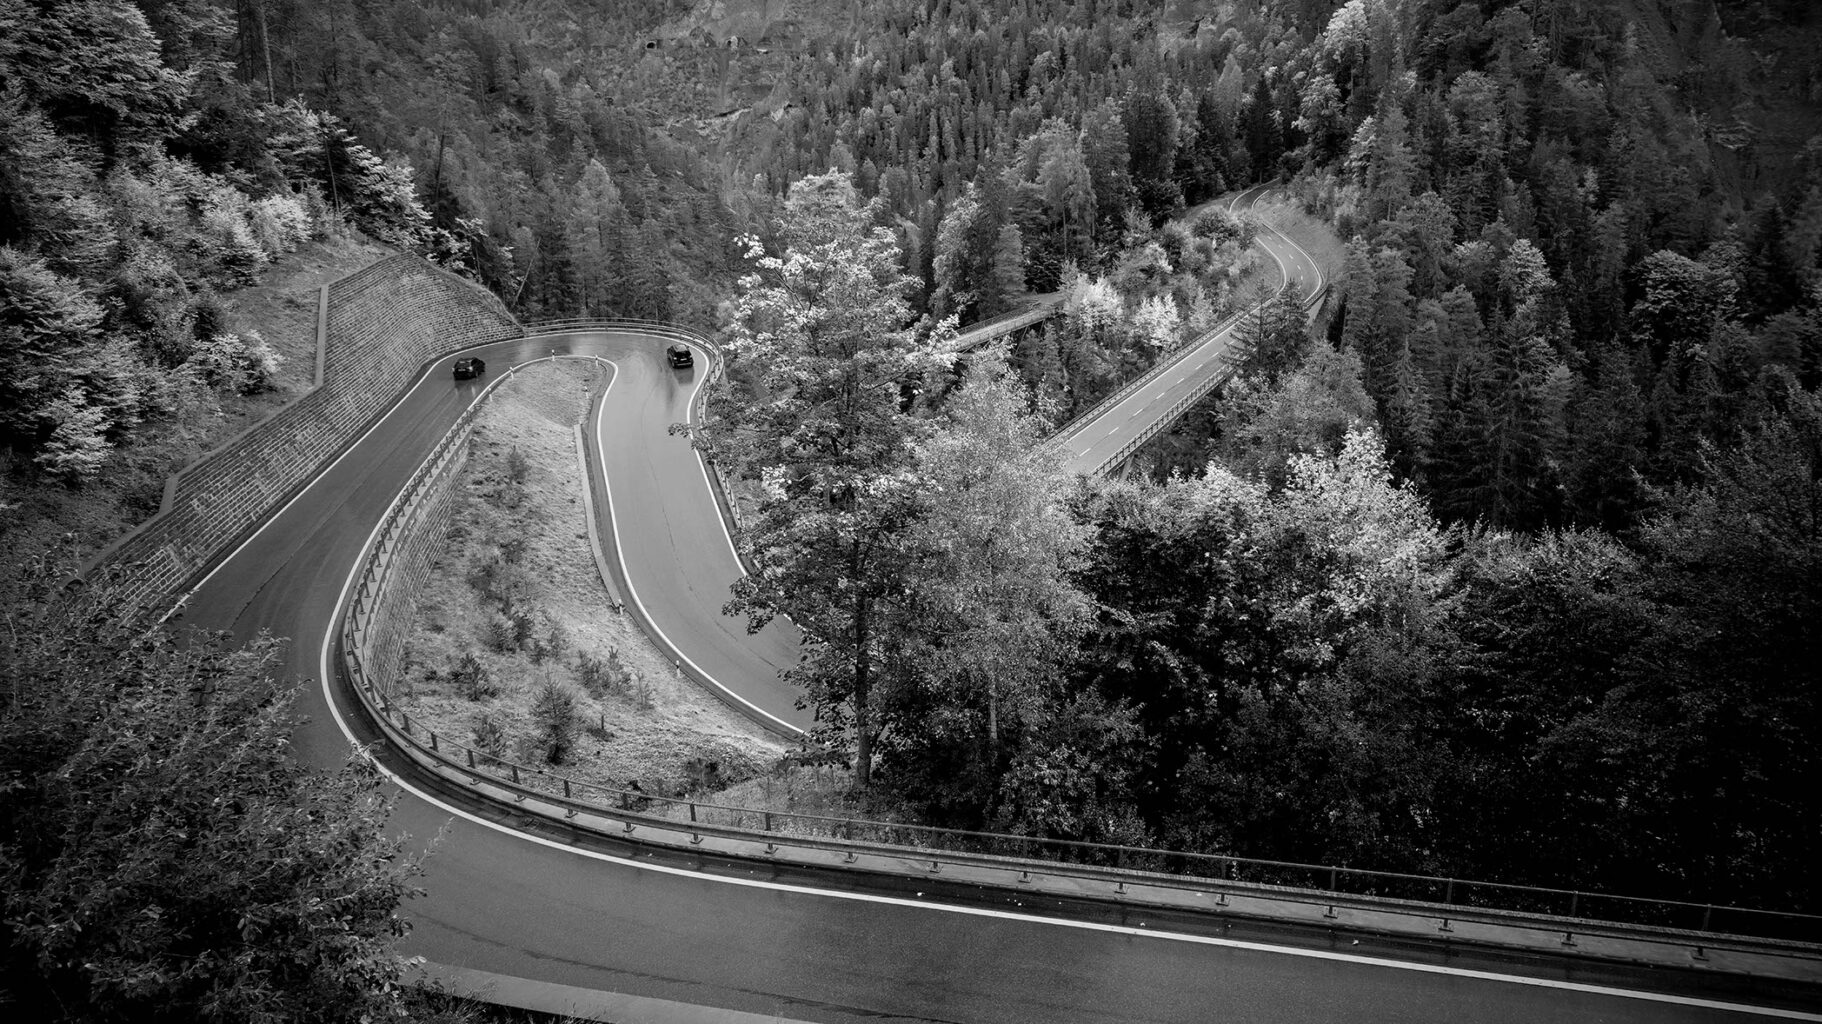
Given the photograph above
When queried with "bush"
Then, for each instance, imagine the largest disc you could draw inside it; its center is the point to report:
(279, 223)
(489, 735)
(551, 644)
(556, 715)
(611, 675)
(473, 680)
(591, 672)
(77, 447)
(497, 581)
(245, 365)
(522, 618)
(496, 634)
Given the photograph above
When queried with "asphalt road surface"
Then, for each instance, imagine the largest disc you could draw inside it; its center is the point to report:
(601, 929)
(1093, 442)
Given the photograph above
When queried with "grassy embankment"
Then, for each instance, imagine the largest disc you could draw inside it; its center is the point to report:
(516, 605)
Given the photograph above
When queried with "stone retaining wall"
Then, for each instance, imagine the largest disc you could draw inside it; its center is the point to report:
(382, 323)
(401, 563)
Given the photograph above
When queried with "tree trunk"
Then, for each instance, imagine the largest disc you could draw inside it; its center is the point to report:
(863, 727)
(265, 48)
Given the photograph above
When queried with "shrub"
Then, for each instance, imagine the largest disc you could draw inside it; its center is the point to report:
(473, 680)
(553, 641)
(279, 223)
(610, 675)
(77, 447)
(591, 672)
(498, 582)
(246, 365)
(556, 715)
(489, 734)
(522, 618)
(496, 634)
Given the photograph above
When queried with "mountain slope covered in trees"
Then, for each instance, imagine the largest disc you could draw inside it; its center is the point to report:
(1508, 569)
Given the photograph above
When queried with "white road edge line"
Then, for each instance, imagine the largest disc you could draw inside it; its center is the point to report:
(632, 591)
(325, 674)
(423, 378)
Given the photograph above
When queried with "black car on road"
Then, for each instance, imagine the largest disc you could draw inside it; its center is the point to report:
(680, 356)
(468, 368)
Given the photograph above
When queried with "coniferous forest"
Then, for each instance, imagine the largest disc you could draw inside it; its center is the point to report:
(1506, 566)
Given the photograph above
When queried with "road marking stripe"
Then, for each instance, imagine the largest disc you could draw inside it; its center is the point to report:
(620, 554)
(325, 675)
(1006, 915)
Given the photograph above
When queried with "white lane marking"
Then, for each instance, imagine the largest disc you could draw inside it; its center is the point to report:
(706, 482)
(1007, 915)
(423, 378)
(335, 711)
(620, 554)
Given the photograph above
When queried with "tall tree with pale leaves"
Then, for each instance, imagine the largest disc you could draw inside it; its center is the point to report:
(823, 334)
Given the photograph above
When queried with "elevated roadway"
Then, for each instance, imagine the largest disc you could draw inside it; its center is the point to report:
(1115, 428)
(536, 915)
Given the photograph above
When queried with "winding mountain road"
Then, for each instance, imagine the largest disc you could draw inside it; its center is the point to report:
(524, 911)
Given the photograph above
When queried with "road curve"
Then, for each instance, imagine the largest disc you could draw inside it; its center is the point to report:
(1092, 443)
(604, 928)
(677, 555)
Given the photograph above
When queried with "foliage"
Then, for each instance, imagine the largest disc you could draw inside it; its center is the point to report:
(992, 613)
(824, 328)
(556, 716)
(165, 856)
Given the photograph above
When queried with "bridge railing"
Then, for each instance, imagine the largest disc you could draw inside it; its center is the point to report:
(1017, 320)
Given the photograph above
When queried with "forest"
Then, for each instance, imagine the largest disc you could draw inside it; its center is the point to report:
(1507, 567)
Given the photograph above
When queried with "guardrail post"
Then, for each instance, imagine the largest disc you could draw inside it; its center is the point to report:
(767, 826)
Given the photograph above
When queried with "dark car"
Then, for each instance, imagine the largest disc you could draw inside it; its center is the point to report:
(469, 368)
(680, 356)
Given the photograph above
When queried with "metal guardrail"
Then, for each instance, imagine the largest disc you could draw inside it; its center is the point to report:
(1309, 884)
